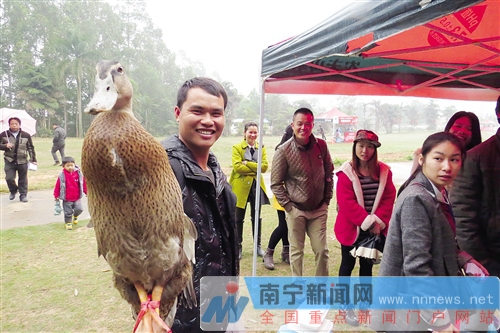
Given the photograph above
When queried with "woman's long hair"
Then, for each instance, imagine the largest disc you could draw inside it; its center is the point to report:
(432, 141)
(373, 165)
(475, 127)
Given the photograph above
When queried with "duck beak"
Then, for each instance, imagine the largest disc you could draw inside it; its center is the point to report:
(105, 96)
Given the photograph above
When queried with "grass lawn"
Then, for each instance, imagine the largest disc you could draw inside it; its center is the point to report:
(53, 281)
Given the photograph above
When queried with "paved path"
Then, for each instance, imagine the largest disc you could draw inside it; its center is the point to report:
(38, 210)
(40, 206)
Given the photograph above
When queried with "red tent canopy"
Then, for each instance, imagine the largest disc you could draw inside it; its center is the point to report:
(435, 49)
(337, 117)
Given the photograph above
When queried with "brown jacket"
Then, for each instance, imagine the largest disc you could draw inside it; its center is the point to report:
(302, 177)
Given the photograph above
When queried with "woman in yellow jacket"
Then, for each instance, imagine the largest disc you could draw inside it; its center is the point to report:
(244, 180)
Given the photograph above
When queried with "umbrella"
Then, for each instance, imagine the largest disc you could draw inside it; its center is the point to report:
(28, 123)
(370, 248)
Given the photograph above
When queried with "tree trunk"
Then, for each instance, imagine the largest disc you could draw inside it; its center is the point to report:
(65, 116)
(79, 128)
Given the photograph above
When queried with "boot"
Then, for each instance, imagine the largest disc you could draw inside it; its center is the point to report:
(285, 254)
(268, 259)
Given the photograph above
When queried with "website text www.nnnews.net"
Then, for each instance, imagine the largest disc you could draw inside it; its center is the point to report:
(438, 300)
(300, 304)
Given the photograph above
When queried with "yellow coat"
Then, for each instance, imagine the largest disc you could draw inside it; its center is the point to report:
(276, 205)
(243, 175)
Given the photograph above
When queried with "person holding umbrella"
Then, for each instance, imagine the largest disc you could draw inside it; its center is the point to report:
(365, 199)
(17, 145)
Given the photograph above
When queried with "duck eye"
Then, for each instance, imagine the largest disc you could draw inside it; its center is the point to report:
(120, 69)
(107, 89)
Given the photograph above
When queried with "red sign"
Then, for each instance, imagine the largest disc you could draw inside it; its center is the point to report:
(348, 120)
(349, 136)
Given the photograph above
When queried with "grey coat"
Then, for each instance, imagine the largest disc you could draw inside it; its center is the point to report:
(420, 240)
(59, 138)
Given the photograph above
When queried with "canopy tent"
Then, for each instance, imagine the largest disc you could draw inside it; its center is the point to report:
(337, 117)
(429, 48)
(343, 125)
(422, 48)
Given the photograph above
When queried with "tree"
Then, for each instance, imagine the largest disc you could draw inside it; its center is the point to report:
(365, 115)
(431, 113)
(49, 50)
(38, 93)
(412, 112)
(233, 99)
(347, 104)
(448, 111)
(389, 115)
(376, 113)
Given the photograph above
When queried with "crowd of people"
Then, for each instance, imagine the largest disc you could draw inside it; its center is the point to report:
(444, 219)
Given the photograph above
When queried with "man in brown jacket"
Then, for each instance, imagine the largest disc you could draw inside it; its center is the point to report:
(302, 182)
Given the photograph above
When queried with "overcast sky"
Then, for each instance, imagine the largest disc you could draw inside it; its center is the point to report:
(228, 36)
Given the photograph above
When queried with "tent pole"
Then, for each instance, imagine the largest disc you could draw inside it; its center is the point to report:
(259, 173)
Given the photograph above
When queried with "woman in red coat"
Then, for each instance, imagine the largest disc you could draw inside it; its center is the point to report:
(365, 199)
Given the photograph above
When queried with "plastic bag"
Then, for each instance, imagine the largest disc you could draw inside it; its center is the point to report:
(57, 208)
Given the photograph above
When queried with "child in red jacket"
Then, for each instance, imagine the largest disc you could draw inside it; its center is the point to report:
(70, 187)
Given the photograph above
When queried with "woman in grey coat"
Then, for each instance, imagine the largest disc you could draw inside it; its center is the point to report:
(421, 237)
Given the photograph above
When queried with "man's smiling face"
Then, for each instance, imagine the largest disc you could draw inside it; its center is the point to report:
(201, 120)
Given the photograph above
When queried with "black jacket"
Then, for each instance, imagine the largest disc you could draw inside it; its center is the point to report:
(475, 197)
(23, 146)
(212, 209)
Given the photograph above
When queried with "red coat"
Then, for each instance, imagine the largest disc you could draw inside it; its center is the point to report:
(74, 185)
(351, 212)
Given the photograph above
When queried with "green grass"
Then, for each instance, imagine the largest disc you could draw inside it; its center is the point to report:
(53, 281)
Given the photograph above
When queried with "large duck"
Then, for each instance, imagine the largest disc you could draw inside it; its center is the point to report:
(136, 206)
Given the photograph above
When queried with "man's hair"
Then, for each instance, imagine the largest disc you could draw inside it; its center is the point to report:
(304, 111)
(497, 109)
(15, 118)
(209, 85)
(55, 124)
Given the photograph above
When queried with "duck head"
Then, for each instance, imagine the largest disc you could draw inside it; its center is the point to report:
(113, 90)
